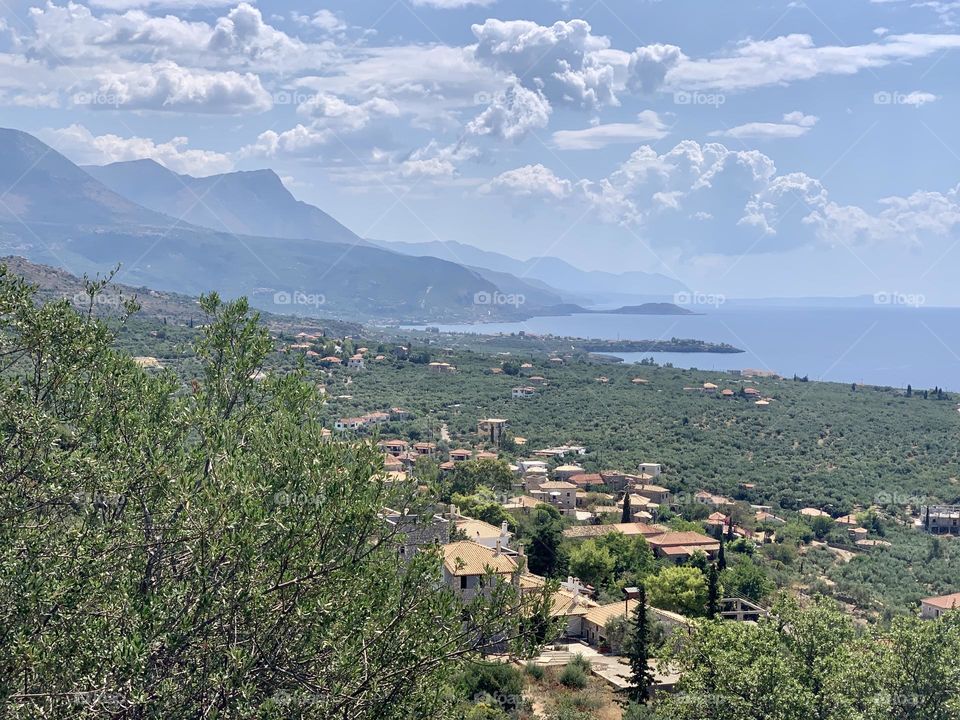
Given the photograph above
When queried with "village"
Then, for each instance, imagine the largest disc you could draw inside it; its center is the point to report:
(633, 503)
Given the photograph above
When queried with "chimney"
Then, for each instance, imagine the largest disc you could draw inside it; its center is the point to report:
(503, 528)
(496, 552)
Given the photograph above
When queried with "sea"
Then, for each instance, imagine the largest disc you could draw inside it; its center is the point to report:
(877, 345)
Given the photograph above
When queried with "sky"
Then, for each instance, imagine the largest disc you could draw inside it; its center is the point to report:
(749, 149)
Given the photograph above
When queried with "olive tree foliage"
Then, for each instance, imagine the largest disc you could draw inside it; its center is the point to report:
(201, 550)
(814, 663)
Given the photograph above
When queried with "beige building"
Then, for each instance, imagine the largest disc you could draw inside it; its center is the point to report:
(933, 607)
(562, 495)
(466, 565)
(941, 519)
(681, 546)
(492, 429)
(594, 621)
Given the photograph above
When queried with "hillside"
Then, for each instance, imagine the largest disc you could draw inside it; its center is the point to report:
(55, 284)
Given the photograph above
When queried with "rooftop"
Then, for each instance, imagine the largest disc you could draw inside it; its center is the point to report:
(469, 558)
(944, 602)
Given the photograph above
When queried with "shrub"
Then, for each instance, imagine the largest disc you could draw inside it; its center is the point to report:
(535, 671)
(573, 676)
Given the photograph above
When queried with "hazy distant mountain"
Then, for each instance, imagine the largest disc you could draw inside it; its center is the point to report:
(59, 215)
(42, 186)
(244, 203)
(601, 287)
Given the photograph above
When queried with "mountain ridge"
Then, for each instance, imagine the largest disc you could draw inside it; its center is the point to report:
(58, 214)
(575, 284)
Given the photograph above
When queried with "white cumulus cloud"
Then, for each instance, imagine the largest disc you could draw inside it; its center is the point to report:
(85, 148)
(561, 60)
(512, 114)
(166, 86)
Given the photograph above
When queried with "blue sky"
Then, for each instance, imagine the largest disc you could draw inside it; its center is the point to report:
(746, 148)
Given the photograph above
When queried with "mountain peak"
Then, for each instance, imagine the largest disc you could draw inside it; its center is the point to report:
(244, 202)
(45, 187)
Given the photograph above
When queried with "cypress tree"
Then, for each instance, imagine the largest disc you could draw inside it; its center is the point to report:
(722, 555)
(627, 515)
(639, 652)
(713, 598)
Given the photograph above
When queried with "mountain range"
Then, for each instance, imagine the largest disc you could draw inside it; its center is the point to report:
(576, 285)
(244, 233)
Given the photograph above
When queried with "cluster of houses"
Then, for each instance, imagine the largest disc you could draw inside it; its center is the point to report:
(372, 418)
(750, 393)
(475, 551)
(305, 343)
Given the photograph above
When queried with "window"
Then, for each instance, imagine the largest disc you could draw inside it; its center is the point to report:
(463, 582)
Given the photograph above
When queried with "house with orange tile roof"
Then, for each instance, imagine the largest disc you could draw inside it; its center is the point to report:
(425, 449)
(394, 447)
(681, 546)
(469, 566)
(583, 532)
(932, 608)
(594, 622)
(585, 480)
(356, 362)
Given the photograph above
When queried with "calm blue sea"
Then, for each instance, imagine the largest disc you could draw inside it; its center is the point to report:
(869, 345)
